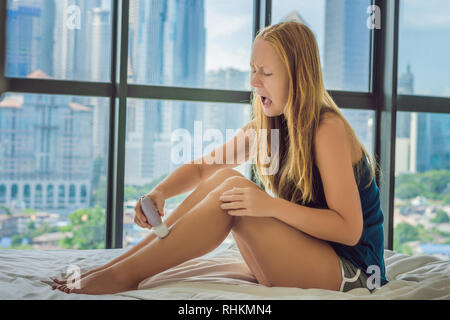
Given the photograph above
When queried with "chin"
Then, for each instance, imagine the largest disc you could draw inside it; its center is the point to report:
(272, 113)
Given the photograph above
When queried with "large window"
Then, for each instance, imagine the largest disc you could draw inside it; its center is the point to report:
(55, 142)
(191, 43)
(161, 136)
(53, 152)
(69, 40)
(424, 48)
(362, 121)
(340, 28)
(422, 184)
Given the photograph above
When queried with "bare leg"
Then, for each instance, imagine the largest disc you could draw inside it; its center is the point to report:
(194, 198)
(198, 232)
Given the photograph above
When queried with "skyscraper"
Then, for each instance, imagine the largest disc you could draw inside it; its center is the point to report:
(167, 47)
(347, 58)
(29, 46)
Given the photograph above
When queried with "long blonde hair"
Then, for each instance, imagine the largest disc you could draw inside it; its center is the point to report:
(308, 99)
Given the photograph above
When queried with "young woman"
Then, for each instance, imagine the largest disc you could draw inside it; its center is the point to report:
(323, 228)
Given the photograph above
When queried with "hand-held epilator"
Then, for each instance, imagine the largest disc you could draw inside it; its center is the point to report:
(153, 217)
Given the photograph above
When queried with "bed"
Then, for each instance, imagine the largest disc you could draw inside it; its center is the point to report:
(220, 274)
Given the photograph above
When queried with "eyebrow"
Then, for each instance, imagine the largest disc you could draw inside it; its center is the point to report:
(251, 65)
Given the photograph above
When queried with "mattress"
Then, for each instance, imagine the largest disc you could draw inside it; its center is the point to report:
(221, 274)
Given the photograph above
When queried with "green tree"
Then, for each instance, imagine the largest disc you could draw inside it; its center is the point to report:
(31, 225)
(435, 182)
(405, 232)
(408, 190)
(16, 241)
(28, 211)
(88, 227)
(446, 200)
(430, 184)
(441, 217)
(6, 210)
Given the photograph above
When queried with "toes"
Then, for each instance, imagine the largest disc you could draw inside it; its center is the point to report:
(59, 281)
(62, 287)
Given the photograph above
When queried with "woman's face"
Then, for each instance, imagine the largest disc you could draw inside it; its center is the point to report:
(269, 78)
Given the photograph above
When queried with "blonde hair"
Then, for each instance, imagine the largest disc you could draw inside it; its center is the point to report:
(308, 99)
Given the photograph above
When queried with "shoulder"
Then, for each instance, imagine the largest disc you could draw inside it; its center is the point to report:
(331, 127)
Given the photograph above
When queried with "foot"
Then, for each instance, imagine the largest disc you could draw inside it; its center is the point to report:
(100, 282)
(84, 275)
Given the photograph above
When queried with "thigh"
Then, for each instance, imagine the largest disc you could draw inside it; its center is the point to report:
(288, 257)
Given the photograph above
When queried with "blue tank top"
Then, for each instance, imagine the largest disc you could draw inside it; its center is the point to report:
(370, 248)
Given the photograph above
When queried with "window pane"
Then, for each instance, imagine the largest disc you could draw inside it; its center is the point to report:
(69, 40)
(53, 164)
(342, 34)
(363, 122)
(156, 135)
(424, 48)
(422, 184)
(191, 43)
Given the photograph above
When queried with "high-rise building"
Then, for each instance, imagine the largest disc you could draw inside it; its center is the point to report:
(45, 161)
(29, 46)
(167, 47)
(346, 58)
(100, 26)
(347, 45)
(427, 134)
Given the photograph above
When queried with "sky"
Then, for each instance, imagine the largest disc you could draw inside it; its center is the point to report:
(424, 38)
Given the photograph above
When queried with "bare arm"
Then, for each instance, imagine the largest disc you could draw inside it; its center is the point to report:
(189, 175)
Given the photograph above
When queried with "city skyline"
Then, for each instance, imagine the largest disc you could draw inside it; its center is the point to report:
(54, 149)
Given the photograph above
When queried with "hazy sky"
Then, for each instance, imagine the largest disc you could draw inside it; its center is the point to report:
(424, 39)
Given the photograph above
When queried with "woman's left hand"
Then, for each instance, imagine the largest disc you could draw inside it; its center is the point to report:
(247, 202)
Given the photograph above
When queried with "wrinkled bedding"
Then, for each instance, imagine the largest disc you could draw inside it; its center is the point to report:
(221, 274)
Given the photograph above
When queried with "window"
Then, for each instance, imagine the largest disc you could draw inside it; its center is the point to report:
(161, 135)
(362, 122)
(59, 39)
(422, 184)
(424, 48)
(340, 28)
(54, 164)
(191, 43)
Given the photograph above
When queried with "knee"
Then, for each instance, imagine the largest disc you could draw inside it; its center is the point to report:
(225, 173)
(230, 183)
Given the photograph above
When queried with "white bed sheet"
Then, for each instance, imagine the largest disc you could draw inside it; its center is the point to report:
(221, 274)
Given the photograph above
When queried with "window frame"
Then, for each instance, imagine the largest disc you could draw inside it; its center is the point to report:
(382, 99)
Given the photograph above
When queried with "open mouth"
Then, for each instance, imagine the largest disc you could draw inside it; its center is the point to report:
(266, 101)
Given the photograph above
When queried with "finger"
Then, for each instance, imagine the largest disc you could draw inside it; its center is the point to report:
(235, 191)
(232, 205)
(144, 220)
(140, 218)
(59, 281)
(240, 212)
(143, 224)
(232, 197)
(137, 221)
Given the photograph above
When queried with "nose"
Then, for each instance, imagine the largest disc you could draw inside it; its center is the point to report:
(255, 80)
